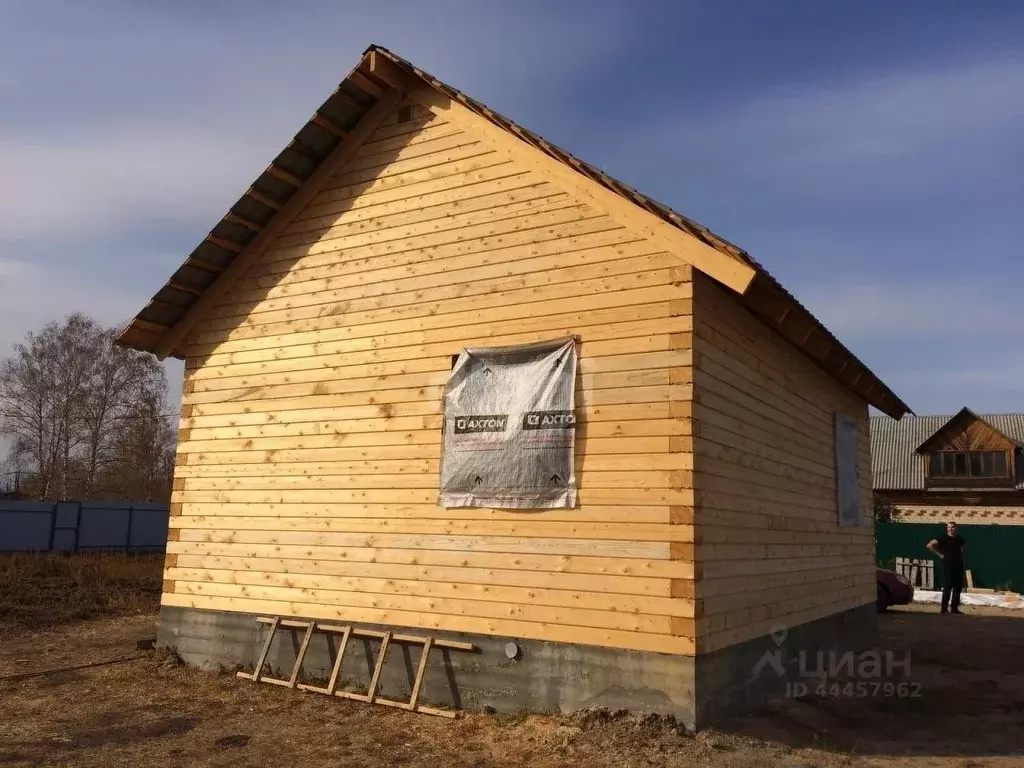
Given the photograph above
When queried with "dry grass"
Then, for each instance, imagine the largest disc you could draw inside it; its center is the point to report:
(78, 693)
(146, 710)
(51, 588)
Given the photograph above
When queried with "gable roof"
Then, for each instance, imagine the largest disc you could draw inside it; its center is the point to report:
(895, 461)
(161, 324)
(966, 415)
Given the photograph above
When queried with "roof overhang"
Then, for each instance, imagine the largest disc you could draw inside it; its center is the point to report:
(339, 125)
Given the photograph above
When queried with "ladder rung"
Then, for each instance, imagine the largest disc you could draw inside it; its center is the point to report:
(276, 681)
(370, 697)
(332, 628)
(425, 710)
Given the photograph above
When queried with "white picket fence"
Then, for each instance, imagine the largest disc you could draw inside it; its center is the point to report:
(920, 573)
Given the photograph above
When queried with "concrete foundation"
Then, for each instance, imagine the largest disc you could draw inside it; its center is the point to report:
(743, 677)
(544, 676)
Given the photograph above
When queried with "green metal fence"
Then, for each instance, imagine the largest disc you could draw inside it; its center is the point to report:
(993, 553)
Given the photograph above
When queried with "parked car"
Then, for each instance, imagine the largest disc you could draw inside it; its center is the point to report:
(893, 589)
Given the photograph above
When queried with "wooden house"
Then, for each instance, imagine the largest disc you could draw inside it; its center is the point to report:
(963, 468)
(722, 451)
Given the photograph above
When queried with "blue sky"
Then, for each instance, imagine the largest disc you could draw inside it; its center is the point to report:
(869, 154)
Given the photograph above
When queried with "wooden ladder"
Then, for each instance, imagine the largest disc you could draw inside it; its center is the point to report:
(347, 633)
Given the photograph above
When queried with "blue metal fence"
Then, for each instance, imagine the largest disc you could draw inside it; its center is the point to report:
(70, 526)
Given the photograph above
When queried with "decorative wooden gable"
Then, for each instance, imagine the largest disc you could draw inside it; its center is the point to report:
(967, 451)
(967, 431)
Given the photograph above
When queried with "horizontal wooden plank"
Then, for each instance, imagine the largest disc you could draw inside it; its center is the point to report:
(590, 248)
(420, 132)
(385, 154)
(497, 544)
(506, 243)
(633, 586)
(615, 396)
(438, 606)
(779, 588)
(749, 499)
(769, 547)
(614, 412)
(712, 534)
(615, 479)
(588, 513)
(524, 529)
(586, 240)
(390, 129)
(788, 412)
(405, 346)
(506, 195)
(754, 340)
(679, 360)
(746, 551)
(428, 195)
(517, 228)
(774, 477)
(626, 605)
(725, 431)
(598, 496)
(754, 629)
(585, 383)
(736, 585)
(587, 453)
(449, 180)
(729, 628)
(640, 297)
(726, 569)
(464, 149)
(516, 217)
(410, 183)
(778, 519)
(640, 288)
(758, 491)
(538, 562)
(585, 463)
(479, 287)
(649, 342)
(499, 627)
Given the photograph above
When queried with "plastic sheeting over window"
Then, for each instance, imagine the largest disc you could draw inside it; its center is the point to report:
(510, 428)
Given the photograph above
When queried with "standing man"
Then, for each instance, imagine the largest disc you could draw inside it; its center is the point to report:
(950, 548)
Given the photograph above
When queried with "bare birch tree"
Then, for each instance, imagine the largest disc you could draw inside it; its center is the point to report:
(69, 399)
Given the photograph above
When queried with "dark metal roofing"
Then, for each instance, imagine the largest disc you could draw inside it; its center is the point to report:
(895, 463)
(343, 110)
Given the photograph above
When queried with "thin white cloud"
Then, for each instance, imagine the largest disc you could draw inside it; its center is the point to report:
(34, 295)
(876, 118)
(902, 310)
(939, 345)
(179, 140)
(888, 132)
(93, 184)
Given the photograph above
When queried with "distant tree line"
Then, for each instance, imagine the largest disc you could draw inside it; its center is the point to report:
(85, 417)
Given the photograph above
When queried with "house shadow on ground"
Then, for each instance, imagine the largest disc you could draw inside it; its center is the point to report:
(963, 695)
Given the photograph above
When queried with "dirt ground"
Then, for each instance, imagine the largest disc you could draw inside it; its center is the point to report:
(142, 710)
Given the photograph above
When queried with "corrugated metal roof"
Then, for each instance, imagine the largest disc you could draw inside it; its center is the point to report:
(895, 465)
(328, 127)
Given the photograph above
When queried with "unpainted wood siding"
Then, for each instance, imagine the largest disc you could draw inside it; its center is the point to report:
(307, 468)
(769, 549)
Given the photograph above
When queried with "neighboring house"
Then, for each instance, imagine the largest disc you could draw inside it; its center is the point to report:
(965, 468)
(722, 446)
